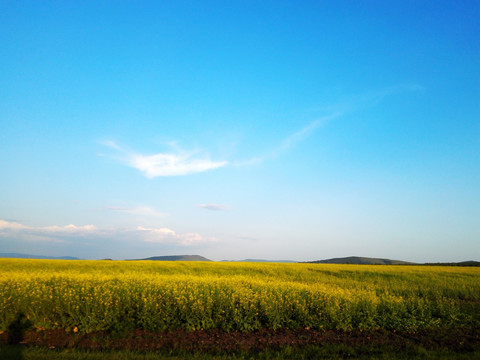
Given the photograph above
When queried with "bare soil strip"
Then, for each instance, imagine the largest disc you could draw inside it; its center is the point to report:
(461, 340)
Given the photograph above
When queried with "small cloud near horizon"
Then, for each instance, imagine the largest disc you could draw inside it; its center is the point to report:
(166, 235)
(215, 207)
(136, 210)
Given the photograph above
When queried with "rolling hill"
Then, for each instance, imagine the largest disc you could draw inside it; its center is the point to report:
(177, 258)
(28, 256)
(261, 260)
(362, 261)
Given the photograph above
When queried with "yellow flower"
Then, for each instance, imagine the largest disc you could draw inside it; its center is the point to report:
(75, 329)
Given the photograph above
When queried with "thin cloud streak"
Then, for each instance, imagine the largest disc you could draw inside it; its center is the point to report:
(303, 133)
(291, 141)
(353, 104)
(215, 207)
(358, 102)
(165, 164)
(137, 210)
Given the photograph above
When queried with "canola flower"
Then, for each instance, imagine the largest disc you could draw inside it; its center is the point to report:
(85, 296)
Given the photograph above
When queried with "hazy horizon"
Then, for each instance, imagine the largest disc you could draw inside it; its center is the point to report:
(234, 130)
(347, 259)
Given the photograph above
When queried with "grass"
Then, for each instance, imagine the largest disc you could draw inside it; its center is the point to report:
(287, 353)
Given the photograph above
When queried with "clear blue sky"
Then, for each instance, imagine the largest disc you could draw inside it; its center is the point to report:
(296, 130)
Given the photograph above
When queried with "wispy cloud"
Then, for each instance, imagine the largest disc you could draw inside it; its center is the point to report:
(215, 207)
(357, 102)
(165, 164)
(178, 162)
(71, 233)
(136, 210)
(352, 104)
(248, 238)
(291, 141)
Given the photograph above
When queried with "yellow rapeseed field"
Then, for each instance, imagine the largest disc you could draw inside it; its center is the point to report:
(88, 296)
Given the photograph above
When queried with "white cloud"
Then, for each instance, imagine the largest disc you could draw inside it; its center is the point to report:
(215, 207)
(10, 225)
(137, 210)
(52, 233)
(165, 235)
(55, 233)
(67, 229)
(165, 164)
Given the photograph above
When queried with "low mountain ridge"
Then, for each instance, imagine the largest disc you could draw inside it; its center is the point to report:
(358, 260)
(177, 258)
(362, 261)
(28, 256)
(261, 260)
(462, 263)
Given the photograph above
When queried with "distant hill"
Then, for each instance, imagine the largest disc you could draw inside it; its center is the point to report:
(345, 260)
(177, 258)
(28, 256)
(362, 261)
(261, 260)
(462, 263)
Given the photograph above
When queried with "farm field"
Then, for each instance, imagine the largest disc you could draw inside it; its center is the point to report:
(98, 299)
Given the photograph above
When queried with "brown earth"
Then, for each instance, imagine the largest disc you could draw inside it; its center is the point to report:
(462, 340)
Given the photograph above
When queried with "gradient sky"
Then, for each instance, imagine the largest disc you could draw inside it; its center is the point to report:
(295, 130)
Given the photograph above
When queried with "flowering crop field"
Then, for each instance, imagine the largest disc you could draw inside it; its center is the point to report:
(88, 296)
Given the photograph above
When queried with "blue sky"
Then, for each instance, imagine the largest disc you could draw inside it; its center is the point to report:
(296, 130)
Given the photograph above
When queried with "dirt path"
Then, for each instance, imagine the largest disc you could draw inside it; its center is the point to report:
(452, 339)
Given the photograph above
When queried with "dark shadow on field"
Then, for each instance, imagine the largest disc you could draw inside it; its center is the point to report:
(11, 352)
(13, 349)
